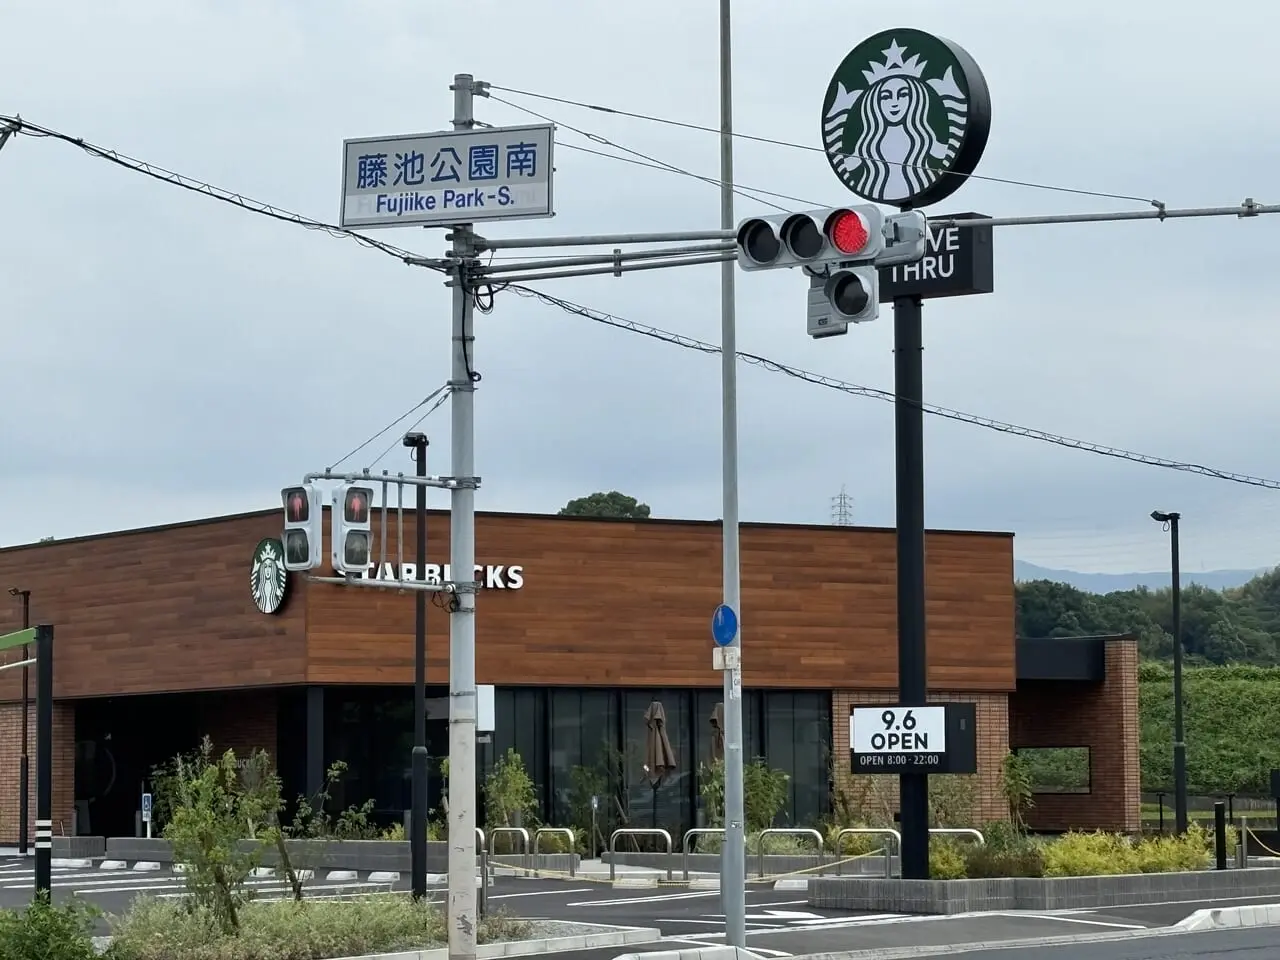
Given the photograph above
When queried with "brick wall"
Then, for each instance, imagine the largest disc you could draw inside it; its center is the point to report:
(243, 722)
(1100, 716)
(880, 793)
(64, 768)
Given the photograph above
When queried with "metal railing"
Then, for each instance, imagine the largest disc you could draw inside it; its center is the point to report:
(483, 905)
(636, 832)
(520, 832)
(959, 832)
(869, 831)
(559, 831)
(789, 832)
(684, 846)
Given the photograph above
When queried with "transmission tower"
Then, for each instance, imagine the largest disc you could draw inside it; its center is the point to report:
(842, 509)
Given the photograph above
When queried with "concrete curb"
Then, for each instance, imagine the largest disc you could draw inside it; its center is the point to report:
(693, 953)
(791, 883)
(1227, 918)
(79, 863)
(113, 865)
(609, 937)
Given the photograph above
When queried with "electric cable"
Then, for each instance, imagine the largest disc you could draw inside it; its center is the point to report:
(408, 413)
(787, 143)
(775, 366)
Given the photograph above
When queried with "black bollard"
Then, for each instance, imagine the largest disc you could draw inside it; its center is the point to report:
(1220, 833)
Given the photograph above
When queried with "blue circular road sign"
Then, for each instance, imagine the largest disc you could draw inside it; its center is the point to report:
(724, 625)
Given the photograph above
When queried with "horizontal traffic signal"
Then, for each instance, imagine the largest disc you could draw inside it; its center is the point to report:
(811, 238)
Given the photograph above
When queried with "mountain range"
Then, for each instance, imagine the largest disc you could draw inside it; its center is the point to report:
(1110, 582)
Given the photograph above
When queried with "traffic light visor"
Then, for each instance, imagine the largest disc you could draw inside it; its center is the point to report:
(758, 242)
(802, 236)
(848, 231)
(297, 547)
(297, 505)
(355, 549)
(356, 505)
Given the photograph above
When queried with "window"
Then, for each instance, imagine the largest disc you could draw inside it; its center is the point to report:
(797, 728)
(665, 803)
(1057, 769)
(584, 732)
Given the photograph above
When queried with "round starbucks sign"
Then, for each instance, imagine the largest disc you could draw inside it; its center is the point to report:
(906, 118)
(268, 579)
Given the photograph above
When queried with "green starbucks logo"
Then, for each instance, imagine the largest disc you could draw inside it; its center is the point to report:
(268, 579)
(905, 119)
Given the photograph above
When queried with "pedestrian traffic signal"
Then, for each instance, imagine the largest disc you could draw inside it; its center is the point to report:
(302, 547)
(812, 238)
(352, 529)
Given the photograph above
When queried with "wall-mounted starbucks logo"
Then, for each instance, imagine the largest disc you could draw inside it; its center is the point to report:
(268, 579)
(905, 119)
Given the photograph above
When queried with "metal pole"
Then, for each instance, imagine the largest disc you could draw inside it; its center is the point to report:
(1179, 734)
(44, 759)
(908, 411)
(24, 768)
(418, 816)
(462, 622)
(733, 853)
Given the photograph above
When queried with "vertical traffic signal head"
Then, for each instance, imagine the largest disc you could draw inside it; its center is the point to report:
(301, 528)
(352, 529)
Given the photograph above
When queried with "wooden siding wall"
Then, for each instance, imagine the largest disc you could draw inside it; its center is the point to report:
(155, 610)
(603, 603)
(623, 604)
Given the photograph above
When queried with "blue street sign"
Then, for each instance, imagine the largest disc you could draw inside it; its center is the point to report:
(724, 625)
(146, 808)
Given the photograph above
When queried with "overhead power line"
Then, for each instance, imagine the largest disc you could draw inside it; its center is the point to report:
(783, 143)
(253, 206)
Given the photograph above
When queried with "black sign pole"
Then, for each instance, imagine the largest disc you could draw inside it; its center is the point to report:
(418, 812)
(44, 760)
(908, 375)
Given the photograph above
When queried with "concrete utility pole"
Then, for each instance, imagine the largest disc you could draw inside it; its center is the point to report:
(462, 556)
(733, 854)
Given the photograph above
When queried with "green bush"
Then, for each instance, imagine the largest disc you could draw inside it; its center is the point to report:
(946, 861)
(46, 932)
(287, 930)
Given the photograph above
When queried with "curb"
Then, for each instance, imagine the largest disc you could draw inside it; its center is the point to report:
(792, 883)
(615, 937)
(79, 863)
(1228, 918)
(694, 953)
(113, 865)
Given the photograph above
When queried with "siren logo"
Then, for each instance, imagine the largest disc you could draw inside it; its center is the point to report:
(268, 579)
(897, 115)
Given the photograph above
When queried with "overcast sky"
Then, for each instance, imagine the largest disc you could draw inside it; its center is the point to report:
(167, 357)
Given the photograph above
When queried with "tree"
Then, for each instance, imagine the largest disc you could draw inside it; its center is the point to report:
(612, 505)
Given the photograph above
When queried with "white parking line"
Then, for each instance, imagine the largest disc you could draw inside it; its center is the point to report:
(660, 898)
(1065, 919)
(538, 893)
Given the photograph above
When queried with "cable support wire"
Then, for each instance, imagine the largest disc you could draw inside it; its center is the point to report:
(775, 142)
(854, 389)
(439, 395)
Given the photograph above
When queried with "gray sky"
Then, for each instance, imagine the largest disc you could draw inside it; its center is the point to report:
(166, 356)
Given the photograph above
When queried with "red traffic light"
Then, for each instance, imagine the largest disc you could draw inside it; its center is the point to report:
(356, 505)
(297, 505)
(848, 231)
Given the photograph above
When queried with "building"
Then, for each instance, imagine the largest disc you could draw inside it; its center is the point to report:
(163, 636)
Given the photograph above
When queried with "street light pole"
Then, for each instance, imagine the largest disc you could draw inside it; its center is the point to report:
(418, 443)
(1179, 733)
(24, 768)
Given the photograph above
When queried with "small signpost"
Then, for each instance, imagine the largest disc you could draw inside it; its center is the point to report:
(146, 812)
(448, 177)
(725, 656)
(724, 625)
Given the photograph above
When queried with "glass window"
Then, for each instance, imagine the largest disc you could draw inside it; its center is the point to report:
(797, 727)
(584, 726)
(1056, 769)
(666, 803)
(521, 721)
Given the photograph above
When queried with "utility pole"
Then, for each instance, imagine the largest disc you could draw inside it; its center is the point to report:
(733, 852)
(1179, 733)
(462, 619)
(24, 766)
(44, 760)
(418, 443)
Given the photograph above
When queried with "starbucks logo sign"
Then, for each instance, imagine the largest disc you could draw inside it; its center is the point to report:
(268, 579)
(905, 119)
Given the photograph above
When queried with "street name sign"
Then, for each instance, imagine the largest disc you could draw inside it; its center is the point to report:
(448, 177)
(958, 261)
(899, 739)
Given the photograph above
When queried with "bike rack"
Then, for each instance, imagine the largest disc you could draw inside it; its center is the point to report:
(792, 832)
(484, 872)
(960, 832)
(684, 846)
(561, 831)
(877, 831)
(520, 832)
(636, 832)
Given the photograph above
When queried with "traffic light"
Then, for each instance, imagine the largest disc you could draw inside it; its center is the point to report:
(352, 529)
(302, 546)
(812, 238)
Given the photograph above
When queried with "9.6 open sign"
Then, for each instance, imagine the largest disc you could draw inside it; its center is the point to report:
(898, 739)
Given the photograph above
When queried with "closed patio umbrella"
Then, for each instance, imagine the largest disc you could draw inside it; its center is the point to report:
(717, 732)
(660, 759)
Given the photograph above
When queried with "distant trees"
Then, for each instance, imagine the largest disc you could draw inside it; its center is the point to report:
(612, 505)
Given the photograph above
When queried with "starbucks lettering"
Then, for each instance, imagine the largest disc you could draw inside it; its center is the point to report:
(493, 577)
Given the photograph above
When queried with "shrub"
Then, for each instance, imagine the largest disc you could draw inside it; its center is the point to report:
(764, 793)
(1022, 857)
(1078, 854)
(48, 932)
(289, 930)
(853, 844)
(946, 861)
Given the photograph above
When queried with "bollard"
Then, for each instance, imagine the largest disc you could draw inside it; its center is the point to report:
(1220, 833)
